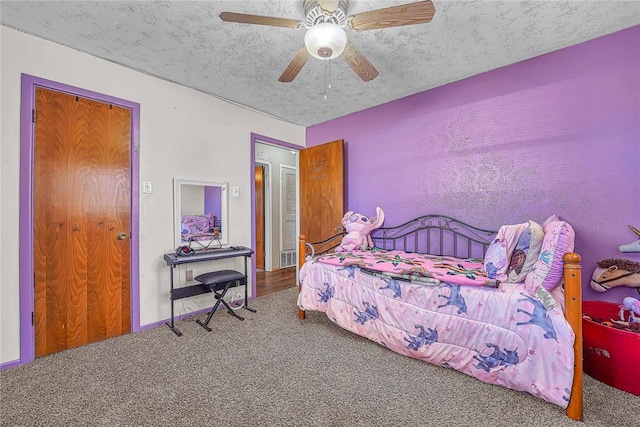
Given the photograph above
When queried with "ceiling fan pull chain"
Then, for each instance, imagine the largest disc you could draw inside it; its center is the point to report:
(327, 82)
(326, 64)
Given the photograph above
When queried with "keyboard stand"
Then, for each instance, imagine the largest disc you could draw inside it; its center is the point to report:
(174, 260)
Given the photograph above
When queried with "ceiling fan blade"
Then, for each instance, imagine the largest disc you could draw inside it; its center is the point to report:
(295, 65)
(359, 63)
(244, 18)
(407, 14)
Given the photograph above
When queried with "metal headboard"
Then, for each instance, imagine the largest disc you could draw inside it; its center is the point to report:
(430, 234)
(435, 235)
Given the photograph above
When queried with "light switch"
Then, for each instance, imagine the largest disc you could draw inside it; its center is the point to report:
(236, 191)
(147, 187)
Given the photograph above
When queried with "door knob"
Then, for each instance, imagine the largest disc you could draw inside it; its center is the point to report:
(122, 236)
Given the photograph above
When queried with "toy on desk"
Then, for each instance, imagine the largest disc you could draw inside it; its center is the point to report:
(185, 251)
(207, 244)
(612, 272)
(633, 305)
(633, 246)
(358, 228)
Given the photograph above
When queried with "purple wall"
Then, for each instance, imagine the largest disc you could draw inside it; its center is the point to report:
(557, 134)
(212, 200)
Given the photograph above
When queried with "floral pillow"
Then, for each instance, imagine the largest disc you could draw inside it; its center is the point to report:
(525, 253)
(548, 271)
(496, 260)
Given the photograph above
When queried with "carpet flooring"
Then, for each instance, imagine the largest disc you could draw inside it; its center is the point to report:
(272, 370)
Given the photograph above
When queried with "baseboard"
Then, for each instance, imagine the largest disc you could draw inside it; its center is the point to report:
(14, 363)
(8, 365)
(187, 315)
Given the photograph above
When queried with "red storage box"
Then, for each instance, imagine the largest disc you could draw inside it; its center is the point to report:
(610, 355)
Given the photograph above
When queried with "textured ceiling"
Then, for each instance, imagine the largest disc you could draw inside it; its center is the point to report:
(187, 43)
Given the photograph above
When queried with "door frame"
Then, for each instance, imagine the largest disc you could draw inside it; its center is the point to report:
(260, 139)
(268, 224)
(281, 209)
(26, 268)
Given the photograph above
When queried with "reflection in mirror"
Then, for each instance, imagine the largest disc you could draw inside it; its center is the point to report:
(200, 213)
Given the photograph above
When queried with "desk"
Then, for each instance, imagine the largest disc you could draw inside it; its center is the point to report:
(173, 260)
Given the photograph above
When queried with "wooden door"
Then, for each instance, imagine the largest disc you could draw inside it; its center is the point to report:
(322, 190)
(259, 180)
(82, 215)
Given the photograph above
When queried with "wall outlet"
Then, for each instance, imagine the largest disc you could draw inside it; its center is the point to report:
(189, 275)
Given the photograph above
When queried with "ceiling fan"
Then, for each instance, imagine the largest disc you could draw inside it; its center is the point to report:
(325, 38)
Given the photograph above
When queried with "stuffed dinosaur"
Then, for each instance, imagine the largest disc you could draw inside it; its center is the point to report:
(358, 228)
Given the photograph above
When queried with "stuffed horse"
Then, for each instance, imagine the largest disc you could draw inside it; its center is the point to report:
(633, 246)
(633, 305)
(612, 272)
(358, 228)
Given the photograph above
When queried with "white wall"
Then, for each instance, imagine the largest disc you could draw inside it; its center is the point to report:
(192, 199)
(183, 133)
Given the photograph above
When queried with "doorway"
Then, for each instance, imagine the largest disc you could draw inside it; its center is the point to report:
(75, 258)
(260, 178)
(274, 207)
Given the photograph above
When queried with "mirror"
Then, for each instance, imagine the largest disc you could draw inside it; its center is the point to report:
(200, 213)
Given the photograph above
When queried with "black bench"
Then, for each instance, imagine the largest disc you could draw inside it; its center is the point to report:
(219, 282)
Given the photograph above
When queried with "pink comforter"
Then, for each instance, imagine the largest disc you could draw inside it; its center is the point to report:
(501, 336)
(430, 269)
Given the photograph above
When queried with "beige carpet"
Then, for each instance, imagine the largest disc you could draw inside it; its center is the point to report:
(272, 370)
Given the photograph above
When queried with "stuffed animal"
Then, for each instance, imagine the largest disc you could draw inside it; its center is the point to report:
(358, 228)
(612, 272)
(633, 305)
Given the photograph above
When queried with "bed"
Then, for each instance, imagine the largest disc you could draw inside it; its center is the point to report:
(199, 228)
(437, 289)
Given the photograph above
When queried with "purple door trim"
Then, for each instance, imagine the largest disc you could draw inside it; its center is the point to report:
(29, 84)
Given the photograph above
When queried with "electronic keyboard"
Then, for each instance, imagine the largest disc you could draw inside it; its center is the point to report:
(211, 254)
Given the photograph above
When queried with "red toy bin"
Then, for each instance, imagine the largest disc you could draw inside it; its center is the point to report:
(610, 355)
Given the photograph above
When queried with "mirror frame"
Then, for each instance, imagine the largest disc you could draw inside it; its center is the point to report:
(177, 210)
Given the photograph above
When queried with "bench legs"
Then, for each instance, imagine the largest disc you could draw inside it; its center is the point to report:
(219, 297)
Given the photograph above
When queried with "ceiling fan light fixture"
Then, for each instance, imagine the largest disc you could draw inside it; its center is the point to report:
(325, 40)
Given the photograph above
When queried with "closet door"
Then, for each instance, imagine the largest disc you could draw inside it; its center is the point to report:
(82, 217)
